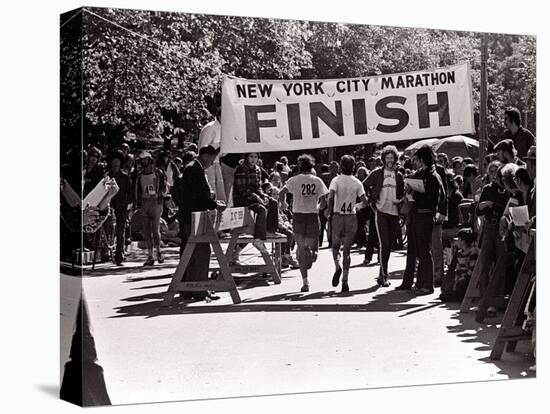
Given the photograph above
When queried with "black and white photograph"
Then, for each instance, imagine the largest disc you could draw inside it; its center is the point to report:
(274, 206)
(258, 206)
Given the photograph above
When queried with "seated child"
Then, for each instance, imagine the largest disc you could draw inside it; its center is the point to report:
(458, 276)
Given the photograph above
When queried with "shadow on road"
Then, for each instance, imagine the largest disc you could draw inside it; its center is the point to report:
(149, 305)
(514, 364)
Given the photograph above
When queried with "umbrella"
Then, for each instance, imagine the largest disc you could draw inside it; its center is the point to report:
(457, 145)
(411, 149)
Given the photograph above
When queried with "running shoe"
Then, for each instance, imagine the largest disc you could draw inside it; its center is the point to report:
(150, 262)
(160, 257)
(345, 287)
(304, 288)
(336, 277)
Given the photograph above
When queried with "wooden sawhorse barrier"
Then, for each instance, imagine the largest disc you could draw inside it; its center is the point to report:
(511, 330)
(272, 262)
(204, 228)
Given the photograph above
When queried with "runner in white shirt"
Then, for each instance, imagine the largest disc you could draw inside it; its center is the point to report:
(345, 189)
(307, 189)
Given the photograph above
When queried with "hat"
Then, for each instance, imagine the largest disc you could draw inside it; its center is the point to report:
(506, 145)
(145, 154)
(531, 153)
(209, 150)
(94, 151)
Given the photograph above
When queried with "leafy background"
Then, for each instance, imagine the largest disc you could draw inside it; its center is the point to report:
(152, 86)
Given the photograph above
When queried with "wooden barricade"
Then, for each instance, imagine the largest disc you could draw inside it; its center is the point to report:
(204, 228)
(472, 292)
(511, 330)
(272, 262)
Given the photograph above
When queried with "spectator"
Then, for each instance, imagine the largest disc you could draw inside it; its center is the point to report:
(443, 160)
(522, 138)
(472, 183)
(211, 134)
(453, 290)
(150, 189)
(193, 193)
(120, 202)
(492, 201)
(94, 171)
(275, 180)
(325, 176)
(385, 189)
(285, 167)
(362, 214)
(458, 165)
(450, 226)
(507, 153)
(247, 192)
(423, 213)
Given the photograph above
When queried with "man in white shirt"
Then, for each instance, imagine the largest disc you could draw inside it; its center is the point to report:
(307, 189)
(211, 134)
(345, 189)
(385, 188)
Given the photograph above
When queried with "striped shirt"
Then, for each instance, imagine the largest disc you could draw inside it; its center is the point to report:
(466, 261)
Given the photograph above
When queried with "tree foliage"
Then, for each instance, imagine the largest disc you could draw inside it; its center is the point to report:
(148, 72)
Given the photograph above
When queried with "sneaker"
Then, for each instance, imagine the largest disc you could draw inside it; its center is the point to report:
(260, 245)
(383, 281)
(293, 263)
(150, 262)
(160, 257)
(336, 277)
(423, 291)
(305, 288)
(345, 287)
(403, 287)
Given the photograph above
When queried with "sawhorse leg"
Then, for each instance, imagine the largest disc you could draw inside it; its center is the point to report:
(510, 331)
(178, 275)
(472, 292)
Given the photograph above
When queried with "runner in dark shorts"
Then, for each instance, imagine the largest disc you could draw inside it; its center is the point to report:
(307, 189)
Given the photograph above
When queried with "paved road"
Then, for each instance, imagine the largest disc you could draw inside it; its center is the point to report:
(279, 340)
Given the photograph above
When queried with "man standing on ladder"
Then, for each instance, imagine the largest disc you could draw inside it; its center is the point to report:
(345, 189)
(307, 189)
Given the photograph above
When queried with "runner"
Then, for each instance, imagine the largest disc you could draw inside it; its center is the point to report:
(345, 189)
(306, 189)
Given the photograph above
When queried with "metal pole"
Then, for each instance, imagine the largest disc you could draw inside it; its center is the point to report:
(483, 106)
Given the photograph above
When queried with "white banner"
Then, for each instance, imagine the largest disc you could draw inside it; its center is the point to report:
(286, 115)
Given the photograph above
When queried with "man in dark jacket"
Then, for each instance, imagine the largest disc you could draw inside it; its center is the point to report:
(385, 189)
(421, 225)
(120, 202)
(440, 217)
(192, 192)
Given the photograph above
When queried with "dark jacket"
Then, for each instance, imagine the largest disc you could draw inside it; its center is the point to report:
(443, 203)
(192, 192)
(160, 186)
(428, 201)
(374, 181)
(92, 178)
(124, 196)
(499, 196)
